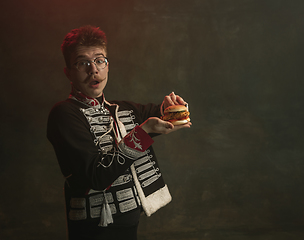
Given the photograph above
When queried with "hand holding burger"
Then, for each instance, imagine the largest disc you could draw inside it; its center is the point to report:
(175, 116)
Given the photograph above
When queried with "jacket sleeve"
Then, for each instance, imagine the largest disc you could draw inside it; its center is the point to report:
(80, 159)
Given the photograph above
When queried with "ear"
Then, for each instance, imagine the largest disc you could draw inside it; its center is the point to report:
(67, 72)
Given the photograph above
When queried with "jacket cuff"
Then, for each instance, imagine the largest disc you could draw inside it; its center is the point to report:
(138, 139)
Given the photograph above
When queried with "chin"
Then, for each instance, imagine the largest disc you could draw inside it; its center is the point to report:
(97, 94)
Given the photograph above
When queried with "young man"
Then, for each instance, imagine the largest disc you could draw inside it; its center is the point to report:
(104, 148)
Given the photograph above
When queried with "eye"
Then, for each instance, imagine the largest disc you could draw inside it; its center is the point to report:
(100, 60)
(83, 63)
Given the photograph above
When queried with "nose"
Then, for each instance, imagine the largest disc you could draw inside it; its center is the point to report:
(92, 69)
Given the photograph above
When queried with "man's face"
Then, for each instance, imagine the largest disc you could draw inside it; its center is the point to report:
(92, 81)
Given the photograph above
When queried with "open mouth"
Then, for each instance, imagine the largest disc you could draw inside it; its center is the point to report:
(94, 83)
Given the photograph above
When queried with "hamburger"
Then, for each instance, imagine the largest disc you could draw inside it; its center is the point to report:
(176, 114)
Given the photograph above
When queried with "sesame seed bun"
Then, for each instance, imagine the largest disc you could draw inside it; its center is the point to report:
(176, 108)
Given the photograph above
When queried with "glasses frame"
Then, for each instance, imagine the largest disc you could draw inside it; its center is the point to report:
(92, 61)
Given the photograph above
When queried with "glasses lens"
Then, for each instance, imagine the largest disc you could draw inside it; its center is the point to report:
(83, 65)
(101, 62)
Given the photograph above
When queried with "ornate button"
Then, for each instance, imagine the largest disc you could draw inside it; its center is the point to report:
(104, 150)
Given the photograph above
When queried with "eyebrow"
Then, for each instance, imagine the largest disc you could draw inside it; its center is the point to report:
(84, 56)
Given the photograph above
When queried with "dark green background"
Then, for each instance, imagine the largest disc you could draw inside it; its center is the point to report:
(236, 174)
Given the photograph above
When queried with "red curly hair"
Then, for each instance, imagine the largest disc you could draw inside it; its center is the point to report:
(83, 36)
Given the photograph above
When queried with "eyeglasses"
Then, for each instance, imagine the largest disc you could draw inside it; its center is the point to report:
(85, 65)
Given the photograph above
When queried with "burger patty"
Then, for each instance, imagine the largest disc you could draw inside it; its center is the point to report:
(175, 115)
